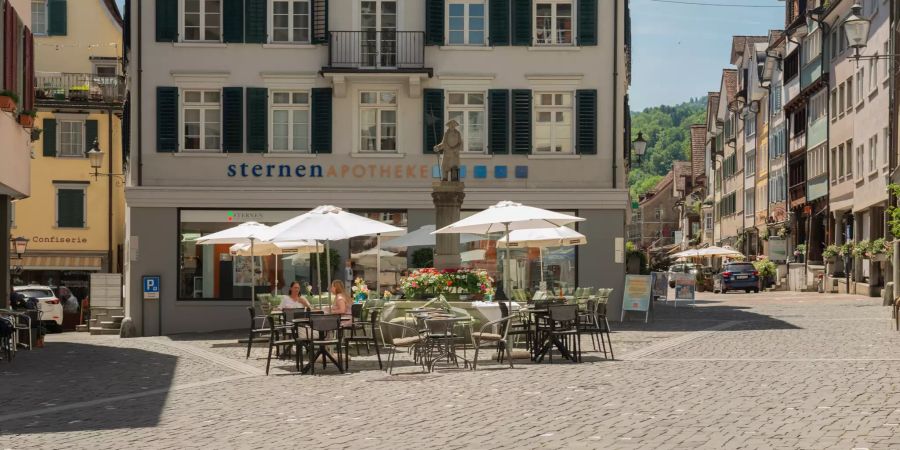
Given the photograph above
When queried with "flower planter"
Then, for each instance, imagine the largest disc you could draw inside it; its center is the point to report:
(26, 121)
(7, 104)
(879, 257)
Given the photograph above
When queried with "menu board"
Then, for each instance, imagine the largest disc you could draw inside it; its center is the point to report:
(638, 289)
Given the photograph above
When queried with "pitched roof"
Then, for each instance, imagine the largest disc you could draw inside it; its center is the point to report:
(680, 170)
(114, 10)
(698, 149)
(738, 43)
(712, 105)
(729, 81)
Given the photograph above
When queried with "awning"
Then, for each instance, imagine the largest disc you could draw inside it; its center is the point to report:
(61, 262)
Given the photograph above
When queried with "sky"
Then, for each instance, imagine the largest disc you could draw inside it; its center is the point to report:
(679, 50)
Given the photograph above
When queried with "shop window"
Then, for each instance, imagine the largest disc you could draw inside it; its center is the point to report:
(364, 257)
(468, 109)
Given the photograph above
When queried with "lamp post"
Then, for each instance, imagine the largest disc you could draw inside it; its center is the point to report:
(19, 245)
(640, 146)
(95, 156)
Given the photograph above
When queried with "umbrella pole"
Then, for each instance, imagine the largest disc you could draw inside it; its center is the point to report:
(252, 276)
(328, 268)
(276, 275)
(541, 250)
(506, 288)
(319, 273)
(377, 263)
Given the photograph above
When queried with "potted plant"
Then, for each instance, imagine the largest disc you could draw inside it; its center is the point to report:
(783, 231)
(831, 253)
(36, 133)
(878, 250)
(764, 234)
(861, 249)
(767, 271)
(8, 101)
(360, 290)
(799, 252)
(78, 93)
(26, 118)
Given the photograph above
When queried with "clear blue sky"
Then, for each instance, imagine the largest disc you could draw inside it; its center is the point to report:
(679, 50)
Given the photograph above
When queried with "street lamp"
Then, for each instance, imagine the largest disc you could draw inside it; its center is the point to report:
(19, 245)
(640, 146)
(95, 156)
(856, 28)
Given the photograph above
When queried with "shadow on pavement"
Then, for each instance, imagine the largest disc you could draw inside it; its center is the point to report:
(66, 373)
(666, 316)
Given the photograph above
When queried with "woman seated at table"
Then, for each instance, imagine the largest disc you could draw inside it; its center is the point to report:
(294, 299)
(342, 304)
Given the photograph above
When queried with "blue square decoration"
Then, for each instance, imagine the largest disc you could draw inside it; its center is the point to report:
(480, 172)
(500, 172)
(521, 171)
(436, 171)
(462, 172)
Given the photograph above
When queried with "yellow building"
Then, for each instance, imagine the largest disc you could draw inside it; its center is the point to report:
(74, 221)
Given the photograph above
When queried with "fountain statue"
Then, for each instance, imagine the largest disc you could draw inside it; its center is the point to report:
(448, 195)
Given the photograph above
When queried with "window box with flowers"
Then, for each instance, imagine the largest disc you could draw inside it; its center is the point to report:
(26, 118)
(879, 250)
(452, 283)
(8, 101)
(861, 249)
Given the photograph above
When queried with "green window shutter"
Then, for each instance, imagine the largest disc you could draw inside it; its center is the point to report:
(255, 21)
(166, 20)
(433, 119)
(319, 22)
(166, 119)
(498, 29)
(257, 120)
(521, 121)
(321, 120)
(521, 22)
(70, 208)
(90, 134)
(57, 19)
(586, 121)
(233, 21)
(498, 121)
(233, 120)
(434, 22)
(49, 136)
(587, 22)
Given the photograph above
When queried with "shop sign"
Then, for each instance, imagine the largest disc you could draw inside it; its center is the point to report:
(369, 171)
(58, 240)
(777, 249)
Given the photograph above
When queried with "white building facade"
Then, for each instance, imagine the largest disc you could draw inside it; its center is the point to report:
(263, 109)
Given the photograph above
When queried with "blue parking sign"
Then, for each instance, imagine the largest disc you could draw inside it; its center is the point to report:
(151, 287)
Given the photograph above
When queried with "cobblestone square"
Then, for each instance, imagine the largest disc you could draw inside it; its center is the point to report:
(773, 370)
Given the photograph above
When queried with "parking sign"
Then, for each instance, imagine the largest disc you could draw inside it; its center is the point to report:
(151, 287)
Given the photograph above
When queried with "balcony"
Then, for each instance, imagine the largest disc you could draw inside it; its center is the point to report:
(797, 194)
(376, 51)
(59, 88)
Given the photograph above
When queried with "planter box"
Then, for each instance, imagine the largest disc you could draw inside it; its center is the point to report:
(26, 121)
(7, 104)
(881, 257)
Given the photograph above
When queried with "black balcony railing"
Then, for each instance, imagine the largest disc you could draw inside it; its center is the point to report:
(78, 88)
(376, 50)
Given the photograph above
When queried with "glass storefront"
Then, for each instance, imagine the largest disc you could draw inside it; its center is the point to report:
(78, 281)
(363, 254)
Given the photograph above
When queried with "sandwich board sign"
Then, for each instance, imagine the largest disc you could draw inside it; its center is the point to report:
(638, 290)
(685, 289)
(660, 286)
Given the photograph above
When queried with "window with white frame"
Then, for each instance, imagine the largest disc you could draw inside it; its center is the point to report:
(873, 153)
(378, 121)
(848, 150)
(709, 221)
(873, 74)
(290, 121)
(749, 125)
(860, 85)
(467, 109)
(750, 163)
(812, 47)
(202, 20)
(749, 199)
(886, 67)
(39, 16)
(289, 21)
(834, 108)
(886, 147)
(553, 122)
(817, 107)
(466, 22)
(71, 137)
(105, 68)
(860, 159)
(202, 130)
(841, 99)
(839, 168)
(553, 22)
(834, 164)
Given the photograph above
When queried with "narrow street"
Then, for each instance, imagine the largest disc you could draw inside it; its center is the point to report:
(768, 370)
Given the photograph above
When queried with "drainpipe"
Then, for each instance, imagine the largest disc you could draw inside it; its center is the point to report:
(616, 95)
(140, 81)
(892, 138)
(109, 187)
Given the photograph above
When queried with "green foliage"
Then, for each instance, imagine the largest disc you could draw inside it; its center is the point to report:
(832, 251)
(847, 249)
(861, 249)
(893, 211)
(800, 248)
(765, 268)
(318, 260)
(10, 94)
(423, 257)
(764, 234)
(667, 130)
(629, 246)
(878, 246)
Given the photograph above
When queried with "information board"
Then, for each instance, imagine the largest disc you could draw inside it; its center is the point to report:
(777, 249)
(685, 289)
(660, 285)
(638, 289)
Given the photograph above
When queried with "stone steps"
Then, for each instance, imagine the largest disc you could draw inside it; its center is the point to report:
(101, 331)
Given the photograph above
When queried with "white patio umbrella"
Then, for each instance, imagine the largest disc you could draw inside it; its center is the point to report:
(708, 251)
(509, 216)
(275, 248)
(423, 237)
(328, 223)
(542, 238)
(246, 233)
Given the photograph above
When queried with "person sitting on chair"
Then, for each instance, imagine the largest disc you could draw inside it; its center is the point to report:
(294, 299)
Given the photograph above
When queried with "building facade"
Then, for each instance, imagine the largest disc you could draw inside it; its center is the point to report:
(17, 97)
(315, 116)
(75, 222)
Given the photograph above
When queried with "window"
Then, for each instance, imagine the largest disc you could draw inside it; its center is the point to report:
(833, 107)
(834, 164)
(290, 122)
(848, 149)
(378, 121)
(860, 168)
(465, 23)
(886, 67)
(39, 16)
(873, 75)
(812, 47)
(817, 161)
(71, 137)
(290, 21)
(553, 122)
(849, 105)
(873, 153)
(749, 199)
(202, 20)
(835, 49)
(105, 69)
(860, 85)
(202, 121)
(749, 125)
(839, 168)
(842, 40)
(70, 205)
(776, 99)
(750, 164)
(553, 22)
(885, 145)
(467, 108)
(709, 221)
(841, 98)
(791, 66)
(817, 107)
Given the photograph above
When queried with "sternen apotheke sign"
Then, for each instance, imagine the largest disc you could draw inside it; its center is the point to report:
(383, 171)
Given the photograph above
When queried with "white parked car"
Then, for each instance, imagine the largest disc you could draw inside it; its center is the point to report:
(50, 306)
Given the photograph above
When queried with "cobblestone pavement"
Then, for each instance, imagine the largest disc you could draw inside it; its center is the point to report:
(772, 370)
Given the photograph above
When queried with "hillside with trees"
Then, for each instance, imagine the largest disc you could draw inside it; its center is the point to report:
(667, 130)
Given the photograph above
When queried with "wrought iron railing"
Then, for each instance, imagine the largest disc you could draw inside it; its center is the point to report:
(376, 50)
(78, 87)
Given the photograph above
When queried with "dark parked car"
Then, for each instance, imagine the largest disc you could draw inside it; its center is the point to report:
(739, 276)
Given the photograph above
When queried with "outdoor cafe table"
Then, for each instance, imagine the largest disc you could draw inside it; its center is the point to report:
(547, 344)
